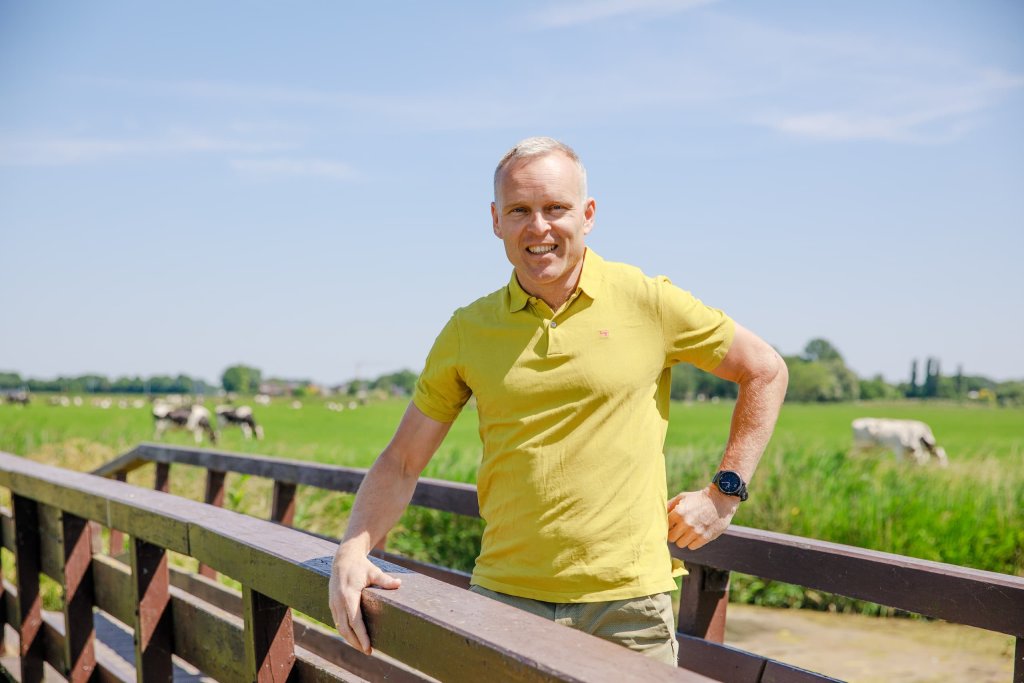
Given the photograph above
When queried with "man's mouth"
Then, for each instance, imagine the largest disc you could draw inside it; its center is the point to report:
(542, 249)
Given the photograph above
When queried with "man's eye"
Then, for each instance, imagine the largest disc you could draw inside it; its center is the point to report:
(518, 209)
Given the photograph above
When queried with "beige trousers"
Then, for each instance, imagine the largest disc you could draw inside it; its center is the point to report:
(644, 625)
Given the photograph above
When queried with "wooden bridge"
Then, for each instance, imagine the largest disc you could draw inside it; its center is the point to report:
(128, 614)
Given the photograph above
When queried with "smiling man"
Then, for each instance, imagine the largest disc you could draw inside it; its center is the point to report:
(570, 364)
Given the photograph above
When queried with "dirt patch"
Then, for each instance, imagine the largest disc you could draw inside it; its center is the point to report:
(863, 649)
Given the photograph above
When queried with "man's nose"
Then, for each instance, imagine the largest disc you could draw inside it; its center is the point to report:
(538, 223)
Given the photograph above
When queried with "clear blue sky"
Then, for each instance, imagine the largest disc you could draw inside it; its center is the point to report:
(304, 186)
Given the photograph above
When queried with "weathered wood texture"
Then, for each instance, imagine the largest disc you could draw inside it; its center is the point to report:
(977, 598)
(1018, 662)
(154, 635)
(967, 596)
(703, 602)
(79, 650)
(282, 507)
(436, 628)
(214, 495)
(30, 606)
(726, 663)
(431, 493)
(269, 638)
(983, 599)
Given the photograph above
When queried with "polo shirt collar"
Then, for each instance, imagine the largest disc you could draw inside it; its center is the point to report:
(591, 279)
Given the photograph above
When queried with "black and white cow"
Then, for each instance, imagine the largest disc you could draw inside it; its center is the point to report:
(241, 416)
(19, 397)
(905, 438)
(195, 418)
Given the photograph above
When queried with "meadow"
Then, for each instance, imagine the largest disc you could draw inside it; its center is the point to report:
(808, 484)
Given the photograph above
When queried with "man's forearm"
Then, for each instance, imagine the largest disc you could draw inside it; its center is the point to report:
(382, 497)
(753, 419)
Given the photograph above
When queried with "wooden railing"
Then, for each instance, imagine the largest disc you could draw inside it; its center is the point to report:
(983, 599)
(428, 629)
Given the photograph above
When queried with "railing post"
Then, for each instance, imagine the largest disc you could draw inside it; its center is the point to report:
(702, 602)
(117, 536)
(269, 638)
(1018, 662)
(153, 629)
(79, 631)
(214, 496)
(283, 508)
(30, 606)
(162, 481)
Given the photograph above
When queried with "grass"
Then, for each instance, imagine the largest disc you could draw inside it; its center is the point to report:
(970, 514)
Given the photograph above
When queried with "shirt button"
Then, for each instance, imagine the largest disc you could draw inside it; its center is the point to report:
(554, 324)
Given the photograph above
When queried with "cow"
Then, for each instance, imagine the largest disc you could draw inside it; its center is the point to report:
(194, 418)
(241, 416)
(905, 438)
(19, 397)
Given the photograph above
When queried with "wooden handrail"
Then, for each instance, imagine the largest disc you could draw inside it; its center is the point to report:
(974, 597)
(958, 594)
(436, 628)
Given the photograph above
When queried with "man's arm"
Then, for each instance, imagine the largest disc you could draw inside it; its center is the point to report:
(382, 497)
(697, 517)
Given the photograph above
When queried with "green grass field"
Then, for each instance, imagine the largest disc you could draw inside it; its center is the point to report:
(971, 513)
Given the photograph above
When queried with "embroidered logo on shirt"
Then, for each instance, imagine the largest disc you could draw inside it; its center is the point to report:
(603, 334)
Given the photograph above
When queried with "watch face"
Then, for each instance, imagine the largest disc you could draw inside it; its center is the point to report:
(729, 482)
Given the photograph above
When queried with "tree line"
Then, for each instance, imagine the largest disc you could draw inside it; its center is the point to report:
(818, 374)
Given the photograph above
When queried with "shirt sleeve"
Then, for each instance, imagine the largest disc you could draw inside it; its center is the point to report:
(440, 390)
(693, 331)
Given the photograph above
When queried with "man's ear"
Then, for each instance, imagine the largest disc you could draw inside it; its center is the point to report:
(589, 211)
(494, 220)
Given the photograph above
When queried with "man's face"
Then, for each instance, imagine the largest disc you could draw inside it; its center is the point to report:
(542, 218)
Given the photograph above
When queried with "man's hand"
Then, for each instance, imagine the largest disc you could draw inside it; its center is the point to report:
(351, 572)
(698, 517)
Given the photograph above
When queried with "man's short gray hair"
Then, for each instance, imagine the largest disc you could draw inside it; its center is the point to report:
(538, 147)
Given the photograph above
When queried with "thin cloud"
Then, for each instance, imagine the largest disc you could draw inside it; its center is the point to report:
(320, 168)
(70, 151)
(577, 13)
(927, 115)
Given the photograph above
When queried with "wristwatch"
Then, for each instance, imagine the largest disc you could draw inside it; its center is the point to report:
(731, 484)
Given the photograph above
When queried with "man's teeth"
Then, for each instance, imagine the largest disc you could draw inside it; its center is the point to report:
(541, 250)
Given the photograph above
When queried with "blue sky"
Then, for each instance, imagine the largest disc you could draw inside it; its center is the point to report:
(305, 187)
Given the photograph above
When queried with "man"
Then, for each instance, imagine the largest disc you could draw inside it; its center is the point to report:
(570, 365)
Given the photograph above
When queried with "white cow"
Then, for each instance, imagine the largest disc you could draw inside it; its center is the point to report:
(241, 416)
(905, 438)
(194, 418)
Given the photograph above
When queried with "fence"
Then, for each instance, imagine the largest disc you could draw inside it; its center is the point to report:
(466, 637)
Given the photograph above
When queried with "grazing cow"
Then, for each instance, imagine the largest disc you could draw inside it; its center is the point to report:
(903, 437)
(241, 416)
(19, 397)
(195, 419)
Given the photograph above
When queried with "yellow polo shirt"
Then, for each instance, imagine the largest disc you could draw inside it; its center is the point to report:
(573, 408)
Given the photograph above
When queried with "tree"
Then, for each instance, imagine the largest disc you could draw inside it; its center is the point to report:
(403, 380)
(821, 350)
(930, 389)
(877, 388)
(242, 379)
(811, 381)
(912, 389)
